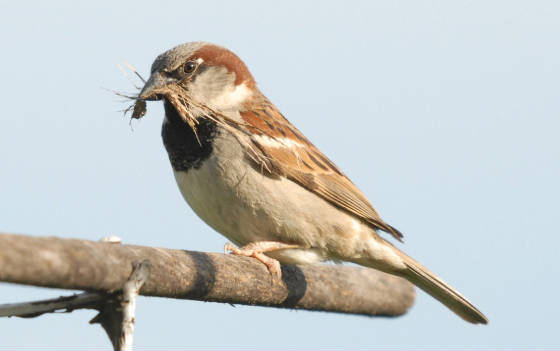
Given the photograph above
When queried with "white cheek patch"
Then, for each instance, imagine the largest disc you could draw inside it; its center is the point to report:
(232, 97)
(265, 140)
(216, 89)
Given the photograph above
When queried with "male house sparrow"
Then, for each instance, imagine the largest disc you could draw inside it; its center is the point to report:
(253, 177)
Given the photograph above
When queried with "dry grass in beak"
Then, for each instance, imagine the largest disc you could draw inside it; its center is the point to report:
(138, 108)
(189, 110)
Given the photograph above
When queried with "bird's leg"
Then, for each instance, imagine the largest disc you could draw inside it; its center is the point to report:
(257, 250)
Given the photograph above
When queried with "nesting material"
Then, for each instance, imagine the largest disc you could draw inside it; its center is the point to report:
(139, 109)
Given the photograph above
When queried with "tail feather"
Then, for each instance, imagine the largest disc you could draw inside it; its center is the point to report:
(440, 290)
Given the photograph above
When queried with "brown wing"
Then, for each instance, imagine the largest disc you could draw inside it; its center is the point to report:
(288, 153)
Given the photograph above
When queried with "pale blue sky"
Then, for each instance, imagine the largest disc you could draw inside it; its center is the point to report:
(445, 114)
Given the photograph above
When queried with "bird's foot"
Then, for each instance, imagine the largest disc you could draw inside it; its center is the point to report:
(257, 250)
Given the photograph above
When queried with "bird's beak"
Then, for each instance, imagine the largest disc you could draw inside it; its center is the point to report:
(153, 87)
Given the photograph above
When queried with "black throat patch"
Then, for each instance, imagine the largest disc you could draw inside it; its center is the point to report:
(184, 149)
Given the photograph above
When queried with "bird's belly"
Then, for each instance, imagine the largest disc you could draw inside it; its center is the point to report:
(246, 206)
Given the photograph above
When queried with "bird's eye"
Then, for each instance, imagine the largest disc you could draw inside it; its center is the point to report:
(189, 67)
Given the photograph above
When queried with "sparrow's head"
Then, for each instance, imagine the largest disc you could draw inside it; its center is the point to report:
(199, 75)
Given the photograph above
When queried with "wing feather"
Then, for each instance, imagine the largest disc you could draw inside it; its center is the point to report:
(286, 152)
